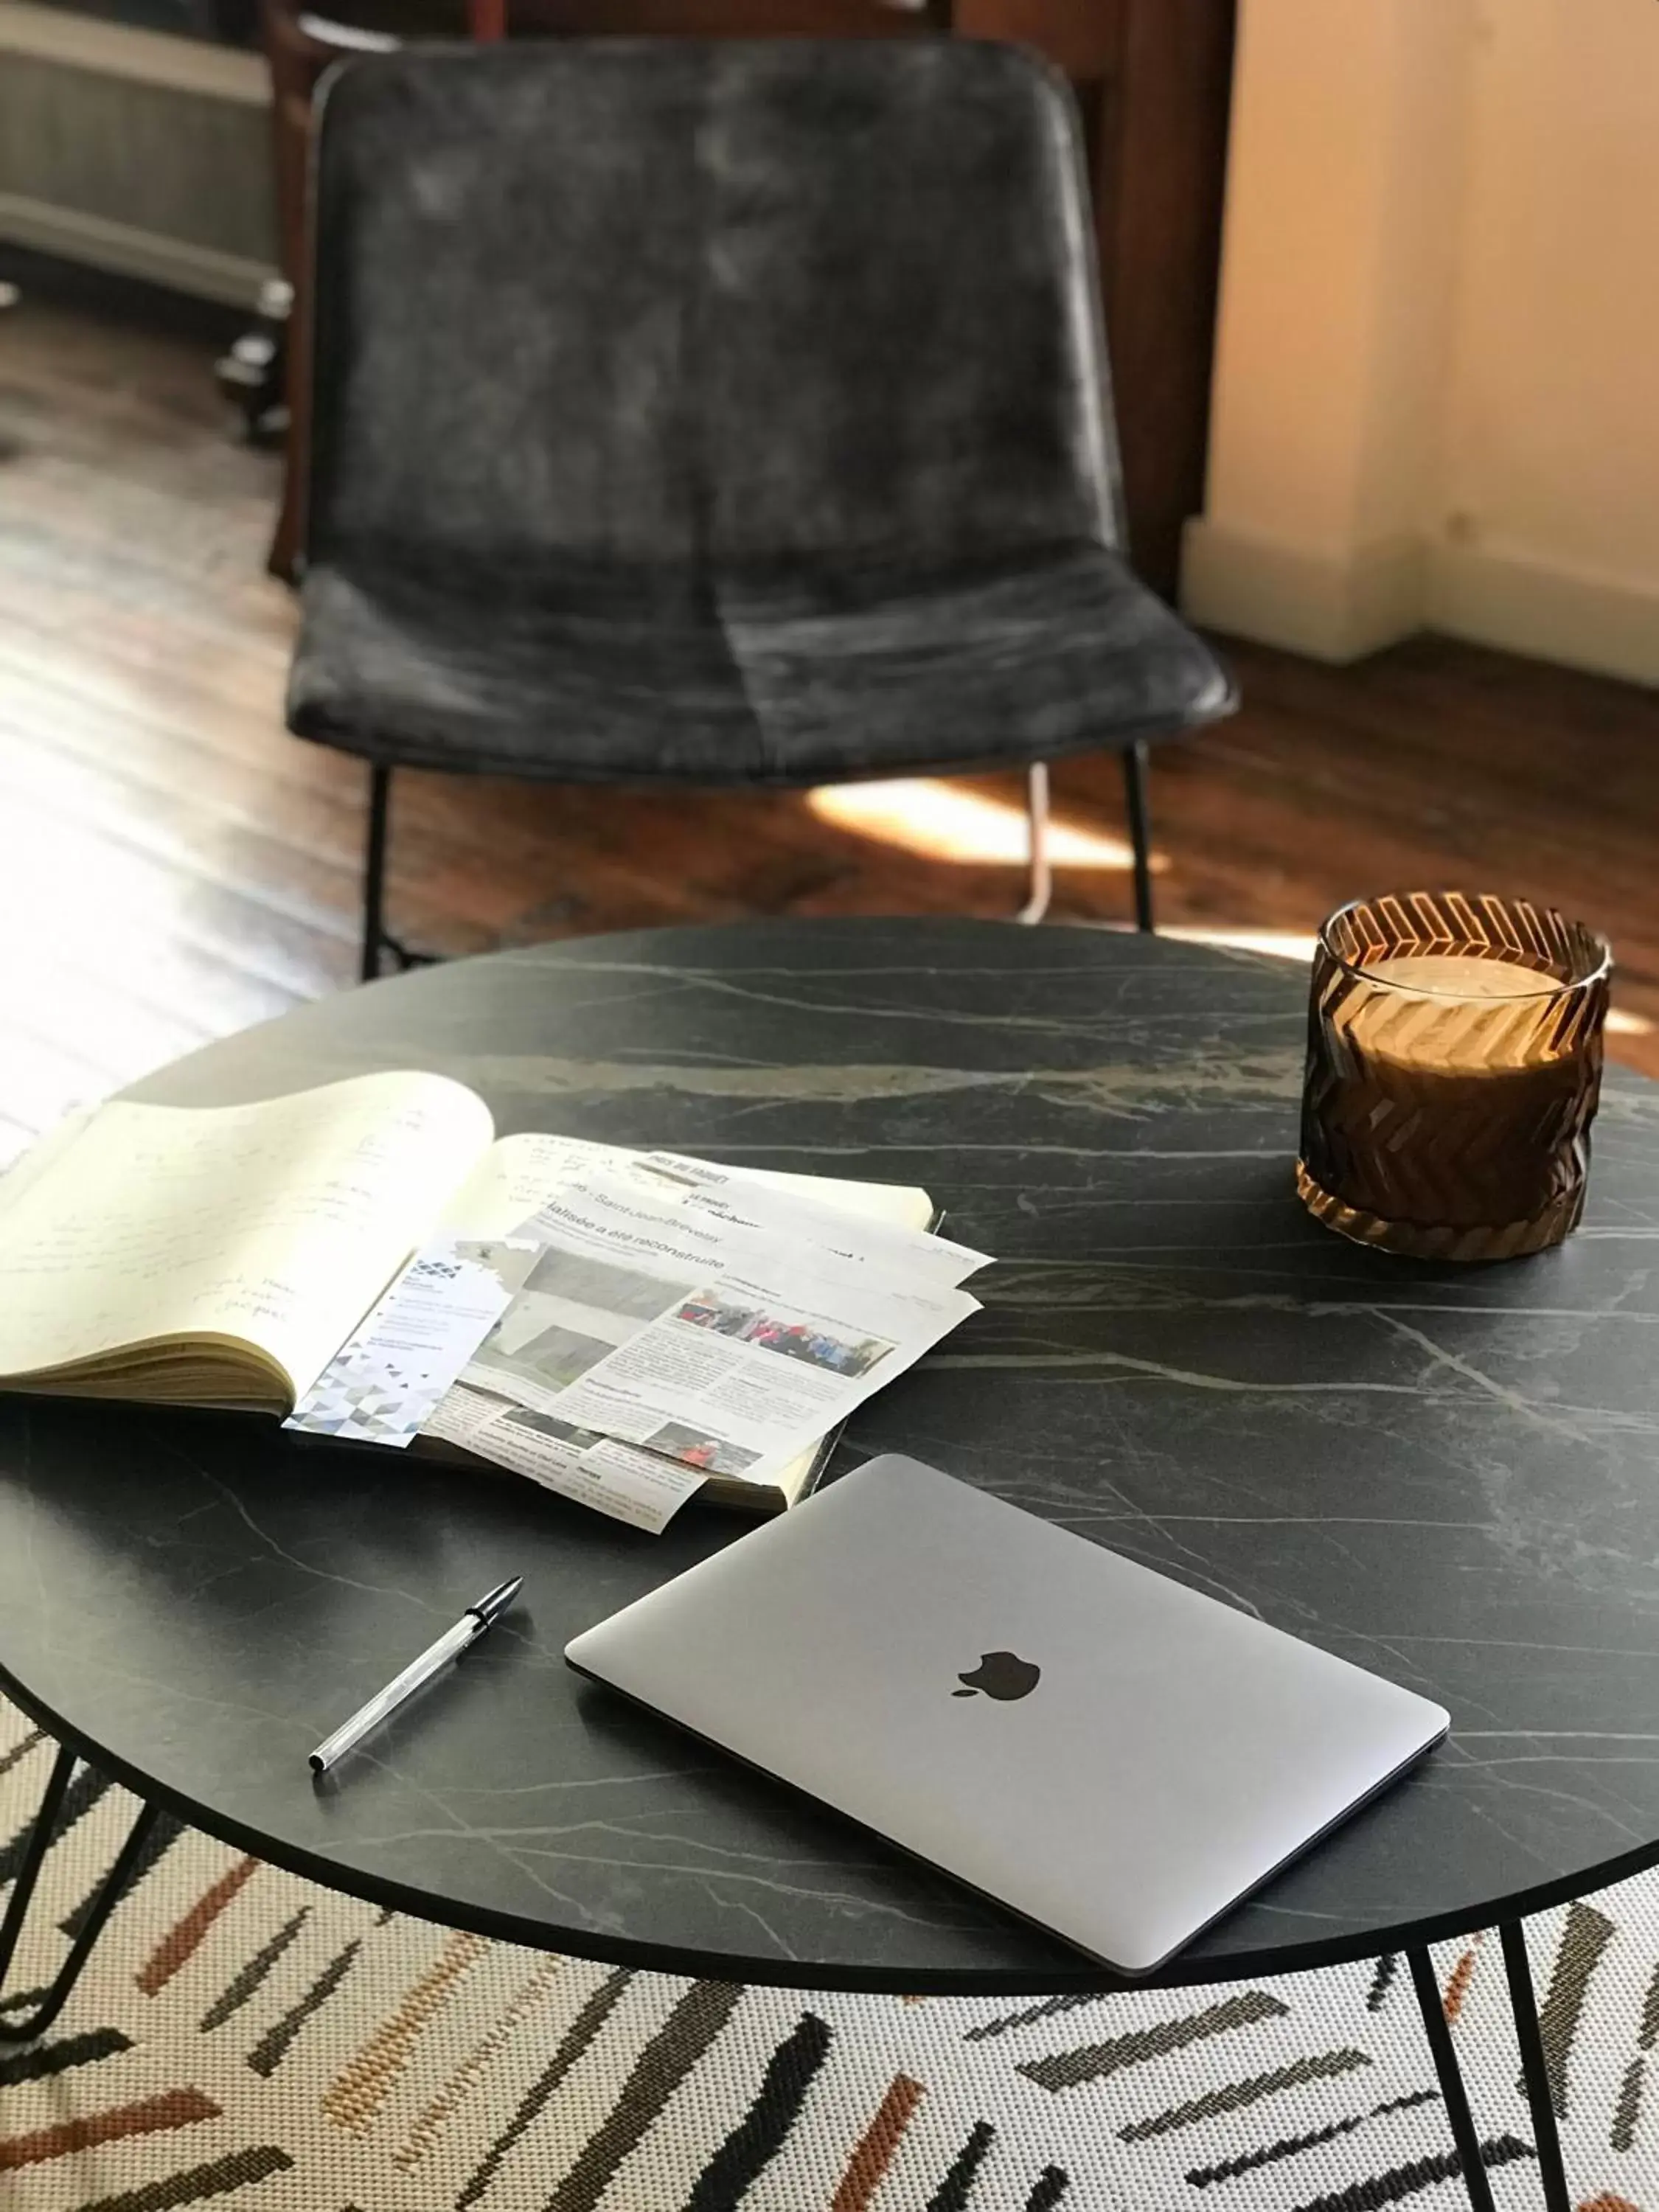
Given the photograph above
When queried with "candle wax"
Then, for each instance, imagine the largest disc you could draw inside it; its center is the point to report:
(1444, 1052)
(1461, 975)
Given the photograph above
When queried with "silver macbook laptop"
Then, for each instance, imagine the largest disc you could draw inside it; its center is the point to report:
(1103, 1750)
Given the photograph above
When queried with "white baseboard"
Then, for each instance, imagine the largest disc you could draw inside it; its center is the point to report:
(1339, 610)
(75, 235)
(1313, 603)
(1555, 614)
(88, 42)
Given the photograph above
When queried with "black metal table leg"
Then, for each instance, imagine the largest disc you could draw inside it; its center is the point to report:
(1535, 2068)
(1476, 2182)
(57, 1994)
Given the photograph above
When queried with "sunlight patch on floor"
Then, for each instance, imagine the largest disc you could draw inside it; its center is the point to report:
(944, 823)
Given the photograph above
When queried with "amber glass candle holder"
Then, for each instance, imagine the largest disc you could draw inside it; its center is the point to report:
(1454, 1070)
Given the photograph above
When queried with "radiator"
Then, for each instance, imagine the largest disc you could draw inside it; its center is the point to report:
(136, 151)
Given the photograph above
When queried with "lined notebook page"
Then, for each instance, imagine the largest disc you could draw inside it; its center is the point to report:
(278, 1223)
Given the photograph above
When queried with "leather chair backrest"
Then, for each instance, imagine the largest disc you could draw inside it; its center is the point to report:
(671, 304)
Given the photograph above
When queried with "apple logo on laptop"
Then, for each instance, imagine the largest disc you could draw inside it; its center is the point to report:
(1000, 1675)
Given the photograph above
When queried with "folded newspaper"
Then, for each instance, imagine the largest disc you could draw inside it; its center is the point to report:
(629, 1329)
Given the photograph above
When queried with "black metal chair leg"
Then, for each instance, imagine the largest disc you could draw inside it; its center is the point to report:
(379, 794)
(1134, 793)
(1476, 2182)
(1535, 2068)
(109, 1896)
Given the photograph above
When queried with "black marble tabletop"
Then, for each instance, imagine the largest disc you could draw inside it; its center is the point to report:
(1448, 1476)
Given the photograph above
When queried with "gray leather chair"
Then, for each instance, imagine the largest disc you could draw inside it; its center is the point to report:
(718, 412)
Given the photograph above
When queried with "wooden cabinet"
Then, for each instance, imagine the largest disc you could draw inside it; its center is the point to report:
(1153, 83)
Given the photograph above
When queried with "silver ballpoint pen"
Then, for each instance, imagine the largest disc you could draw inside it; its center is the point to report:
(467, 1629)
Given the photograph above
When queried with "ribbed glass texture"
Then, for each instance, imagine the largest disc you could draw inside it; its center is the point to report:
(1454, 1070)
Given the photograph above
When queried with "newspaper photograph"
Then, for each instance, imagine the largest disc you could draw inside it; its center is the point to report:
(622, 1480)
(639, 1487)
(572, 1312)
(705, 1341)
(789, 1339)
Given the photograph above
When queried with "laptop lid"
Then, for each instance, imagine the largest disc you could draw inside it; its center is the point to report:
(1105, 1751)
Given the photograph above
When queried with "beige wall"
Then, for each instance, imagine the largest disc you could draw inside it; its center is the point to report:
(1437, 369)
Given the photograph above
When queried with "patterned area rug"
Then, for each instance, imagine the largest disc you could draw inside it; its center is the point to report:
(243, 2038)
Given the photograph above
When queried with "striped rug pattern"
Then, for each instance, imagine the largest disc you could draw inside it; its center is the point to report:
(246, 2040)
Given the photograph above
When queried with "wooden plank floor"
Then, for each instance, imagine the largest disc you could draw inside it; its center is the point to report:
(173, 866)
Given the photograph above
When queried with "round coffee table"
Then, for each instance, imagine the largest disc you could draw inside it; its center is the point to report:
(1444, 1474)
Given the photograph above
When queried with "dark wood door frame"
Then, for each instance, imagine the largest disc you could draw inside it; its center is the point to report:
(1159, 191)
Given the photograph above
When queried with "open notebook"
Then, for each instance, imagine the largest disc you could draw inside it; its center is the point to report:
(219, 1256)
